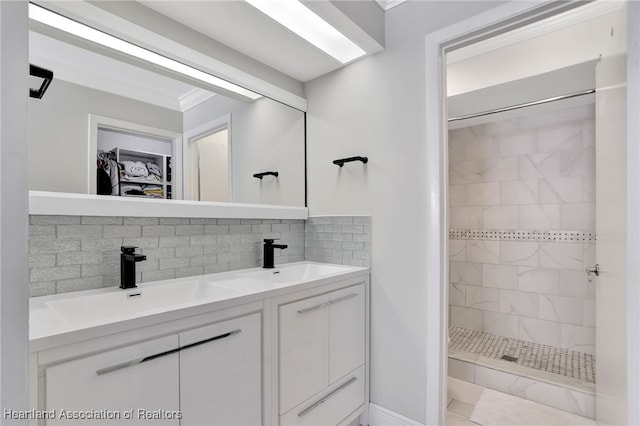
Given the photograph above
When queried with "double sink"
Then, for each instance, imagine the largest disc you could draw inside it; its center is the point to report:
(86, 308)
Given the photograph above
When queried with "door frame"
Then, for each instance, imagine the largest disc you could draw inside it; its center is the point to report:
(101, 122)
(199, 132)
(487, 24)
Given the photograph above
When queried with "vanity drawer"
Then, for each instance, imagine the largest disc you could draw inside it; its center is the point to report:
(142, 376)
(331, 406)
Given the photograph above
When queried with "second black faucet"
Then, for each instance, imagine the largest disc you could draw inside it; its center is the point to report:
(268, 251)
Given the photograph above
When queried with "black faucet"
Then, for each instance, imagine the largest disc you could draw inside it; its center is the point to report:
(268, 251)
(128, 261)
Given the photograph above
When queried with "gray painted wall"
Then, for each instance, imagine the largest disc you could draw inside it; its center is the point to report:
(59, 132)
(265, 136)
(376, 107)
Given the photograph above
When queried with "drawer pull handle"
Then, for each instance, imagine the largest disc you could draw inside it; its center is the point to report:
(326, 397)
(340, 299)
(313, 308)
(137, 361)
(134, 362)
(202, 342)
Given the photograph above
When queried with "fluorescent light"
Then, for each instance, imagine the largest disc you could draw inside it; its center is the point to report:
(70, 26)
(301, 20)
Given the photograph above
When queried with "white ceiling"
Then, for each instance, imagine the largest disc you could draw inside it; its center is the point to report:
(233, 23)
(245, 29)
(90, 69)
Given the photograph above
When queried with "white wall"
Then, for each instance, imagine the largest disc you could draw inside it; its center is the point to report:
(376, 107)
(59, 132)
(14, 313)
(265, 136)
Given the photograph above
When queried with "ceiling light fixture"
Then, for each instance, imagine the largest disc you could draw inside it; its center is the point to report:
(298, 18)
(78, 29)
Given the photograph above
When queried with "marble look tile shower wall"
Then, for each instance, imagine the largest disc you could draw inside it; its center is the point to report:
(522, 213)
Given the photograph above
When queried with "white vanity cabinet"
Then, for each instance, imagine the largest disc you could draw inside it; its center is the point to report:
(197, 375)
(140, 376)
(283, 355)
(322, 347)
(221, 373)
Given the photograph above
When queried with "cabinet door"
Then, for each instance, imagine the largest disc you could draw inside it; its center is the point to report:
(221, 373)
(346, 331)
(304, 350)
(139, 377)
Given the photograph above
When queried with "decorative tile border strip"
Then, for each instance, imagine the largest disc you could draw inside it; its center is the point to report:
(565, 362)
(521, 235)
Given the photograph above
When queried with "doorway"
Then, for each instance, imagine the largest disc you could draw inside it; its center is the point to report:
(439, 44)
(208, 162)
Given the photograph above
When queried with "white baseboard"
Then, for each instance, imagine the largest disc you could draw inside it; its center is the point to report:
(380, 416)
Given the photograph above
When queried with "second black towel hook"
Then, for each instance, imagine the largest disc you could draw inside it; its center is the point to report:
(263, 174)
(341, 161)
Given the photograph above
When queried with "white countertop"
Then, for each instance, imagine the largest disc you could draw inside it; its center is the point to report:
(72, 317)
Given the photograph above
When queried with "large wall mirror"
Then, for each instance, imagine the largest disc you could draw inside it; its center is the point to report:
(110, 126)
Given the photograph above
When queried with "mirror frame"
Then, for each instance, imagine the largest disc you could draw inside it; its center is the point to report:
(60, 203)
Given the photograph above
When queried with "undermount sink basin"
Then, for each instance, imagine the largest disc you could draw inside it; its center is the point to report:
(267, 279)
(136, 301)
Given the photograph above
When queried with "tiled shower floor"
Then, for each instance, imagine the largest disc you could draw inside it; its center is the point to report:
(578, 366)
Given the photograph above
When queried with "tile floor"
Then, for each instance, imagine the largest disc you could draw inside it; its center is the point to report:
(576, 365)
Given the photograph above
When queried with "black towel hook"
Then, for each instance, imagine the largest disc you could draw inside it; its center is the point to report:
(263, 174)
(40, 72)
(341, 161)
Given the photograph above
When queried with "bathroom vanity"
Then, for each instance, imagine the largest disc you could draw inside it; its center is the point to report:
(284, 346)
